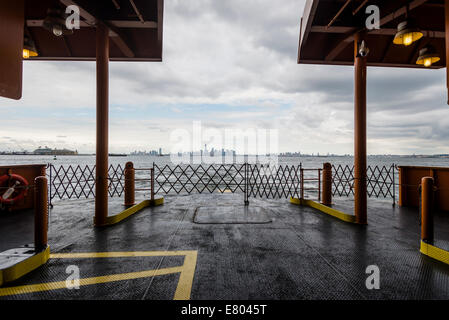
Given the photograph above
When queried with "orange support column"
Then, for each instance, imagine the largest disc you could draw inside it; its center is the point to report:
(101, 174)
(360, 196)
(129, 184)
(40, 213)
(327, 184)
(446, 5)
(427, 209)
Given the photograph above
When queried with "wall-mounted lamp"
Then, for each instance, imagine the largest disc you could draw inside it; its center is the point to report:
(428, 56)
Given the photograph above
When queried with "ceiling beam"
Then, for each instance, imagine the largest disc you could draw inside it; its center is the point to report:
(67, 46)
(387, 49)
(136, 10)
(372, 64)
(339, 12)
(401, 11)
(116, 35)
(383, 31)
(133, 24)
(306, 23)
(120, 41)
(354, 12)
(160, 21)
(116, 4)
(116, 23)
(334, 52)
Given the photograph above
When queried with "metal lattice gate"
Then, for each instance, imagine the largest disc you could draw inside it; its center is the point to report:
(251, 180)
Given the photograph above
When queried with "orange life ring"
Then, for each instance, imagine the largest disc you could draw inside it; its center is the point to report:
(18, 194)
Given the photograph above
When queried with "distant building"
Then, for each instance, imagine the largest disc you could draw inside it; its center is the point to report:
(46, 151)
(145, 153)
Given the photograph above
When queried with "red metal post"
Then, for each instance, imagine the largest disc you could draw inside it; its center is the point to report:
(40, 213)
(327, 184)
(101, 174)
(152, 184)
(427, 209)
(446, 6)
(319, 185)
(402, 187)
(130, 184)
(360, 195)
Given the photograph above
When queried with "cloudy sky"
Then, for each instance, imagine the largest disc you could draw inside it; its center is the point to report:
(229, 64)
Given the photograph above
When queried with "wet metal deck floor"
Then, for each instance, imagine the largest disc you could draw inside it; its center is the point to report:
(296, 253)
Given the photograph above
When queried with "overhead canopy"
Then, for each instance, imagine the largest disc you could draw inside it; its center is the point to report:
(135, 29)
(328, 28)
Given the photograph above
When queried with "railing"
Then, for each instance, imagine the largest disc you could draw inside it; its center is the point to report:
(381, 181)
(199, 178)
(253, 180)
(310, 177)
(274, 182)
(142, 181)
(75, 182)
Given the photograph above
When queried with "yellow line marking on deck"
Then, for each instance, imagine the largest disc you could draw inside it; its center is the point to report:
(434, 252)
(183, 289)
(114, 219)
(120, 254)
(325, 209)
(186, 278)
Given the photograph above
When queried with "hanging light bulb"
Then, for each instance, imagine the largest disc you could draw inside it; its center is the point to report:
(428, 56)
(408, 39)
(57, 30)
(407, 33)
(29, 49)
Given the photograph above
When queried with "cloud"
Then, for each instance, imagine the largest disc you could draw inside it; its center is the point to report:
(229, 64)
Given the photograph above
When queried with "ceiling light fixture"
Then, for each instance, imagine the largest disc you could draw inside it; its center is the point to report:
(408, 31)
(29, 49)
(428, 56)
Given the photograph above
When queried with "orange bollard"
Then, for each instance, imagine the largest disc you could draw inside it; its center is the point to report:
(327, 184)
(129, 184)
(427, 209)
(40, 213)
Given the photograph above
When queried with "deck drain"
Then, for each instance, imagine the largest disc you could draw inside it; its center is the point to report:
(230, 215)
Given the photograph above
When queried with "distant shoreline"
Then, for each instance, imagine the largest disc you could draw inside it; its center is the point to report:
(439, 156)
